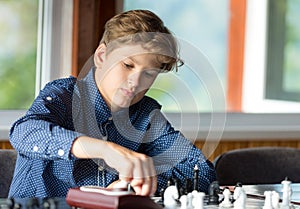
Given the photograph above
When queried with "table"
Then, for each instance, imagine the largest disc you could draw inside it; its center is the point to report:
(255, 198)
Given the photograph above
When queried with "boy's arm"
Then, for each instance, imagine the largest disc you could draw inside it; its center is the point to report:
(46, 131)
(134, 168)
(175, 156)
(42, 139)
(182, 158)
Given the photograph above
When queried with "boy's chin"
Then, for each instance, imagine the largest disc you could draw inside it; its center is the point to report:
(116, 105)
(124, 104)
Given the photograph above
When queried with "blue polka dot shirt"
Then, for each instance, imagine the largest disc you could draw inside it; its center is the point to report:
(68, 108)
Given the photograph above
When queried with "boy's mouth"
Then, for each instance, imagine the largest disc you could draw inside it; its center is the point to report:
(127, 92)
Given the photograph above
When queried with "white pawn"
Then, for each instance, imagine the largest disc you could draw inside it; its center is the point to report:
(226, 203)
(240, 197)
(190, 200)
(170, 196)
(197, 201)
(275, 200)
(268, 200)
(286, 194)
(183, 201)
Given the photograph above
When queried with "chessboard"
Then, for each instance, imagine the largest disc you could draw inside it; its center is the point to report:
(284, 195)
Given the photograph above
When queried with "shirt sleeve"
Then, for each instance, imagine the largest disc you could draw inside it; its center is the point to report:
(175, 156)
(46, 130)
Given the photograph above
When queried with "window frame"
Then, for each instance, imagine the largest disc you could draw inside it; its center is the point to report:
(255, 64)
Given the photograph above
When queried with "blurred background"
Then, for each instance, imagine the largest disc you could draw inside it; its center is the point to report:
(245, 89)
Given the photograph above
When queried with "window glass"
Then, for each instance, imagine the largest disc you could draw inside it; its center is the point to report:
(18, 38)
(283, 67)
(292, 48)
(201, 26)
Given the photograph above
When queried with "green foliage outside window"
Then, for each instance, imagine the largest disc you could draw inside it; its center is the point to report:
(18, 38)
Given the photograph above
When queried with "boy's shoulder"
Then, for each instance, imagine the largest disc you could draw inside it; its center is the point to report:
(61, 86)
(71, 80)
(150, 103)
(66, 83)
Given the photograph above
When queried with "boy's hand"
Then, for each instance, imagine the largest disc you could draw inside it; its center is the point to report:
(134, 168)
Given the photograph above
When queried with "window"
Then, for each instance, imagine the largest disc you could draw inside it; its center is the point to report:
(199, 116)
(39, 50)
(18, 37)
(283, 67)
(201, 28)
(209, 34)
(271, 67)
(271, 71)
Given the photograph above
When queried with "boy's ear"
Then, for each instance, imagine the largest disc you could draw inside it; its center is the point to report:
(99, 55)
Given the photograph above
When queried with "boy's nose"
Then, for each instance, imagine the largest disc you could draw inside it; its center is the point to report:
(134, 80)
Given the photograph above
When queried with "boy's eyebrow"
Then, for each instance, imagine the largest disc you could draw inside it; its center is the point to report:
(135, 61)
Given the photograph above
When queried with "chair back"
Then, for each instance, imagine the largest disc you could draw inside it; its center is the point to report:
(259, 165)
(7, 166)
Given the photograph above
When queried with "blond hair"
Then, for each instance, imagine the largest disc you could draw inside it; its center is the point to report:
(147, 29)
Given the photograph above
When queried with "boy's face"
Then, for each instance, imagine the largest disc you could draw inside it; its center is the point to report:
(124, 75)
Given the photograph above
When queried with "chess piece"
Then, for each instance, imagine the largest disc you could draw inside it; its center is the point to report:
(49, 203)
(286, 194)
(190, 200)
(170, 196)
(196, 177)
(33, 203)
(188, 186)
(161, 194)
(213, 193)
(162, 191)
(183, 202)
(170, 182)
(177, 184)
(9, 203)
(268, 200)
(275, 200)
(239, 196)
(226, 203)
(197, 201)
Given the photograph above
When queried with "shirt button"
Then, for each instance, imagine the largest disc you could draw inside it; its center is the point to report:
(101, 168)
(60, 152)
(35, 148)
(49, 98)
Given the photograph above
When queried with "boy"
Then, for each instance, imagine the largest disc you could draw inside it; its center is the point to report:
(102, 129)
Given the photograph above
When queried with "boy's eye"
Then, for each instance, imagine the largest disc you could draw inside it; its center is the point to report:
(127, 66)
(151, 73)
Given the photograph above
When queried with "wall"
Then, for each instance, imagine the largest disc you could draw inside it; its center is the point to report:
(4, 144)
(223, 146)
(227, 145)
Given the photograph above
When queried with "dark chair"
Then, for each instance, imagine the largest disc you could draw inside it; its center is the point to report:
(7, 166)
(260, 165)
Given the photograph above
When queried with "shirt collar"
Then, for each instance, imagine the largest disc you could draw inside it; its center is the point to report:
(102, 111)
